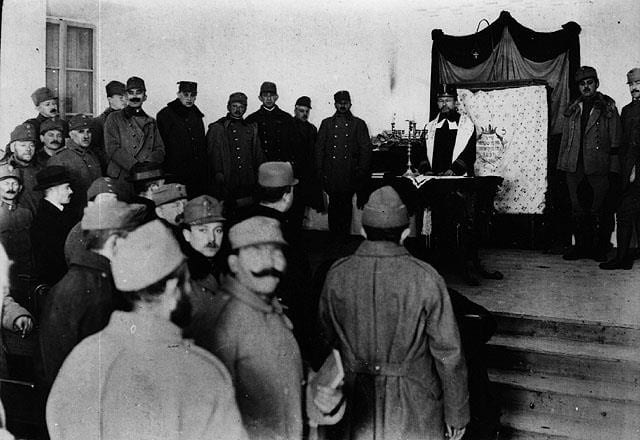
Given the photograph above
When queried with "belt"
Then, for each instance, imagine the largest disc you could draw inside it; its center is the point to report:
(378, 368)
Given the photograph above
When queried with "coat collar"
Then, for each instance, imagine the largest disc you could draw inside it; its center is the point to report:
(380, 249)
(348, 115)
(71, 145)
(600, 102)
(92, 260)
(144, 326)
(181, 110)
(244, 295)
(130, 112)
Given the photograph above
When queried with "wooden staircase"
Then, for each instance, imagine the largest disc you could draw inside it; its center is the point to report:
(566, 379)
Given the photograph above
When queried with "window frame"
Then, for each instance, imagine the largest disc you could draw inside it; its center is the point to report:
(63, 24)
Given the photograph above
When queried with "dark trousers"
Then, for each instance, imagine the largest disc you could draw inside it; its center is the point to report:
(628, 219)
(339, 211)
(599, 186)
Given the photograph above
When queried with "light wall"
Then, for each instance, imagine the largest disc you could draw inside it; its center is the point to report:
(379, 50)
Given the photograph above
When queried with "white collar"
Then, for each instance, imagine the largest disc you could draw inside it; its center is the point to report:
(57, 205)
(453, 125)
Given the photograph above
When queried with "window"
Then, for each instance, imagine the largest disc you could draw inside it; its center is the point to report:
(70, 65)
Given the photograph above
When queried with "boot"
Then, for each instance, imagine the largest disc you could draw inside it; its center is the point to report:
(581, 229)
(622, 260)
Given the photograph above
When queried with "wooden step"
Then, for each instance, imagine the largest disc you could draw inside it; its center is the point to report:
(570, 397)
(585, 331)
(532, 425)
(582, 360)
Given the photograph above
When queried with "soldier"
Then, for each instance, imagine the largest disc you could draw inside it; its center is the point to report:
(23, 148)
(130, 135)
(81, 303)
(115, 97)
(628, 213)
(52, 138)
(182, 130)
(46, 103)
(234, 154)
(51, 224)
(80, 161)
(137, 378)
(170, 200)
(343, 157)
(15, 224)
(589, 152)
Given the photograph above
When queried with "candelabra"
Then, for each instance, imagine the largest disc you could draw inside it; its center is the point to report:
(412, 134)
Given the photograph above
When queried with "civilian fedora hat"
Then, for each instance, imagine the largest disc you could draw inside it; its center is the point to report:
(53, 175)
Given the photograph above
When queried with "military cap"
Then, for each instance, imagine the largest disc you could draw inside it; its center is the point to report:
(24, 132)
(106, 185)
(8, 171)
(268, 87)
(50, 176)
(254, 231)
(203, 209)
(79, 122)
(237, 97)
(143, 171)
(187, 86)
(169, 192)
(114, 88)
(585, 72)
(633, 75)
(342, 95)
(111, 214)
(385, 209)
(135, 83)
(304, 101)
(42, 94)
(52, 124)
(276, 175)
(447, 90)
(145, 256)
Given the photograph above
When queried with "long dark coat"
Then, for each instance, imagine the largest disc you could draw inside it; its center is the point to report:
(278, 136)
(390, 316)
(182, 131)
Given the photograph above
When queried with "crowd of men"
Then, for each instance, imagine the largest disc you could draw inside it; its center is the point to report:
(165, 268)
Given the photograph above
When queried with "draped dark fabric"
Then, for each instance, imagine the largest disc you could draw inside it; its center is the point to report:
(505, 51)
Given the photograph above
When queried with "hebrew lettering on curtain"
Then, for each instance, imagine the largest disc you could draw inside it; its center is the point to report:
(511, 125)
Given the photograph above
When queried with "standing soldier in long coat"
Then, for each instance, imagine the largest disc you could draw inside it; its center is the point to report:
(115, 96)
(130, 135)
(343, 157)
(390, 316)
(182, 130)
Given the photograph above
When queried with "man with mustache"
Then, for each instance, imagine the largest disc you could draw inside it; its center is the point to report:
(182, 130)
(15, 224)
(588, 153)
(52, 138)
(46, 103)
(343, 158)
(130, 135)
(116, 98)
(252, 336)
(138, 378)
(22, 148)
(628, 212)
(234, 151)
(80, 161)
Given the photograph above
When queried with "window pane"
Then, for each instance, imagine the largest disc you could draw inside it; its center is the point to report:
(79, 48)
(53, 44)
(79, 97)
(52, 79)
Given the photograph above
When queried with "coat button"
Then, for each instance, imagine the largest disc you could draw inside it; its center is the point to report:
(377, 368)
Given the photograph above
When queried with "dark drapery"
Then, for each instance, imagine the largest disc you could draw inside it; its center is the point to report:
(505, 51)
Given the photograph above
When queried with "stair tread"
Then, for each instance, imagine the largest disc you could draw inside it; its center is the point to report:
(567, 347)
(551, 320)
(567, 385)
(568, 427)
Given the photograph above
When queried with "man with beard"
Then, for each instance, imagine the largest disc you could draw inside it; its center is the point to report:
(130, 135)
(52, 138)
(23, 148)
(80, 161)
(46, 103)
(116, 98)
(51, 224)
(15, 224)
(343, 158)
(628, 213)
(182, 130)
(249, 332)
(589, 152)
(170, 200)
(137, 378)
(234, 153)
(81, 303)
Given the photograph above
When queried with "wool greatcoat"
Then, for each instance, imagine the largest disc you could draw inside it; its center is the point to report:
(130, 137)
(138, 378)
(390, 316)
(182, 132)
